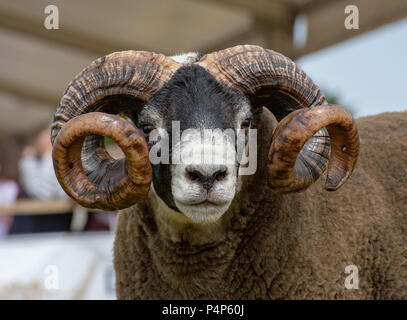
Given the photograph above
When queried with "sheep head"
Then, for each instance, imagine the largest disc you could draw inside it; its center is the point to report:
(222, 90)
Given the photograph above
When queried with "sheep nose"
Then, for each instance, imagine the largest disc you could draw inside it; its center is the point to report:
(206, 174)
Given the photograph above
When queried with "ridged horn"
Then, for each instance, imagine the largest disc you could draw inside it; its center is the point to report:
(117, 83)
(272, 80)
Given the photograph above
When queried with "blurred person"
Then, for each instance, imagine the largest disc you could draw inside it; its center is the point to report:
(37, 171)
(8, 194)
(38, 180)
(9, 188)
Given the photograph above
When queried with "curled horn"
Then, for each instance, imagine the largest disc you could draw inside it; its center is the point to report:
(117, 83)
(311, 133)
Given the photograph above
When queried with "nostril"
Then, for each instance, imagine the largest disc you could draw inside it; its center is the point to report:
(221, 173)
(220, 176)
(208, 176)
(193, 174)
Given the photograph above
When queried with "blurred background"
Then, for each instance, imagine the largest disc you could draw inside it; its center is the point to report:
(51, 248)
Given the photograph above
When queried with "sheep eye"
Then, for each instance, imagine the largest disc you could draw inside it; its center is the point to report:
(147, 128)
(245, 124)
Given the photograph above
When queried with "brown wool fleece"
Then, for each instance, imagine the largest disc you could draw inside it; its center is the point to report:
(293, 246)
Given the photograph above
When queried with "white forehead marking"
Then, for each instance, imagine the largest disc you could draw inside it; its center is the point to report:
(185, 58)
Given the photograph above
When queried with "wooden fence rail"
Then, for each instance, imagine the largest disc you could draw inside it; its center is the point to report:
(36, 207)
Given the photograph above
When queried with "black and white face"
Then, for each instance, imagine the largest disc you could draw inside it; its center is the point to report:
(206, 113)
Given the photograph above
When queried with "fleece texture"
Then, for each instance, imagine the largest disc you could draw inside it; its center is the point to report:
(292, 246)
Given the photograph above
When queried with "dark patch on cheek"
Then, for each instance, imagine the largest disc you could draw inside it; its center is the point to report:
(239, 156)
(162, 179)
(162, 184)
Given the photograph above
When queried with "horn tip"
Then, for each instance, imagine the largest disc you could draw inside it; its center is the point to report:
(333, 184)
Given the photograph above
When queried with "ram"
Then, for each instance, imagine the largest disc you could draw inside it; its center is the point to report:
(201, 229)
